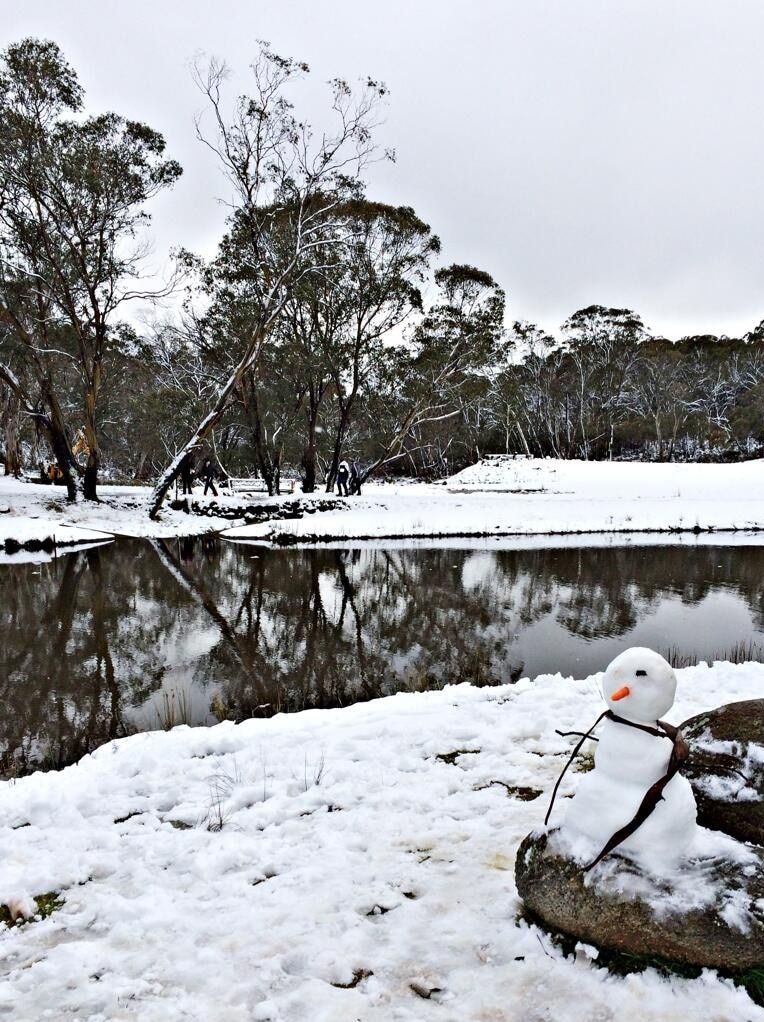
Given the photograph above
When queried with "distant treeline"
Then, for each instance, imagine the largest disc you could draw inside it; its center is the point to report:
(606, 388)
(603, 389)
(324, 327)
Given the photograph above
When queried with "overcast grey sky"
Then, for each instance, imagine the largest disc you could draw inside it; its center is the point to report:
(581, 151)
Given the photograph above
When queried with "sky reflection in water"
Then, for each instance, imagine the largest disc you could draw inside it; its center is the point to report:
(139, 634)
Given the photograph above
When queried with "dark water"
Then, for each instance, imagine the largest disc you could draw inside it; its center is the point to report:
(139, 635)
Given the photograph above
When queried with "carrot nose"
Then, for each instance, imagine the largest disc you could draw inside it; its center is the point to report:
(621, 693)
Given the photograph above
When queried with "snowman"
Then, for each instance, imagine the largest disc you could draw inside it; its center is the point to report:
(634, 800)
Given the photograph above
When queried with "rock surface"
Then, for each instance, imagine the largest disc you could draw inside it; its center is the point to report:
(726, 768)
(590, 908)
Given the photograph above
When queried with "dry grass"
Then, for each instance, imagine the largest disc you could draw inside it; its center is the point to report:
(174, 709)
(221, 786)
(741, 652)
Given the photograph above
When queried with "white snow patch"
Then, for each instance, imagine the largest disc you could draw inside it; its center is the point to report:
(541, 497)
(335, 868)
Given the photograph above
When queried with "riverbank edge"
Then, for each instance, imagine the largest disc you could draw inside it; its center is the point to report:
(49, 542)
(284, 539)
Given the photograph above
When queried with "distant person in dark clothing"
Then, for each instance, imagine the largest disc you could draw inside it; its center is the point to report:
(209, 474)
(355, 478)
(187, 473)
(343, 476)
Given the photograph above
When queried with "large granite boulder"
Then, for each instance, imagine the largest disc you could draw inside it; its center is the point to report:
(710, 916)
(726, 768)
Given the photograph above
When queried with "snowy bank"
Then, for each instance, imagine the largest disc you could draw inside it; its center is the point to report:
(17, 531)
(497, 497)
(122, 511)
(542, 497)
(328, 865)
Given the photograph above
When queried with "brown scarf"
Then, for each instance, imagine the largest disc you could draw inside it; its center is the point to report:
(654, 793)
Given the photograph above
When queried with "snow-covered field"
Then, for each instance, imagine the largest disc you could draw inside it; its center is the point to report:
(526, 497)
(37, 511)
(328, 866)
(497, 497)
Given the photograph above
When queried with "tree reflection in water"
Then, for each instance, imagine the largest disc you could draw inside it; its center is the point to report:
(87, 641)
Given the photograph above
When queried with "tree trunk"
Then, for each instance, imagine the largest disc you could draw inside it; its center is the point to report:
(12, 450)
(90, 482)
(342, 429)
(138, 470)
(276, 476)
(309, 468)
(309, 455)
(523, 439)
(90, 479)
(265, 463)
(59, 441)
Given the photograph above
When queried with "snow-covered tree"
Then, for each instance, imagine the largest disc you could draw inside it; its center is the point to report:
(287, 183)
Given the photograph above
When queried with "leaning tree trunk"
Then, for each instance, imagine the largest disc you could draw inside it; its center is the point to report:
(206, 426)
(523, 439)
(53, 423)
(59, 442)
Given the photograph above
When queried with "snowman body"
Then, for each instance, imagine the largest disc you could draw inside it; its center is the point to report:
(638, 686)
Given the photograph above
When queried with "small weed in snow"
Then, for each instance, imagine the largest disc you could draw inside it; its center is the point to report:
(313, 774)
(221, 787)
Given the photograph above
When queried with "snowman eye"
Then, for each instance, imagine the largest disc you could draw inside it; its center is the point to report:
(641, 674)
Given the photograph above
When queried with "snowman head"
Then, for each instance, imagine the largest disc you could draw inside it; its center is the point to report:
(639, 685)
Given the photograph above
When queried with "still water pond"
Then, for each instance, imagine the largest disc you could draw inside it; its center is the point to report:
(138, 635)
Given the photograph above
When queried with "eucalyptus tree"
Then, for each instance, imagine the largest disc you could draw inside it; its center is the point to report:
(747, 419)
(72, 194)
(377, 290)
(286, 373)
(534, 396)
(10, 403)
(521, 409)
(603, 348)
(310, 327)
(425, 383)
(659, 392)
(10, 410)
(286, 181)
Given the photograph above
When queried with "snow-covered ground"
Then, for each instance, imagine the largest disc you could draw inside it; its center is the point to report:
(37, 511)
(22, 529)
(498, 497)
(526, 497)
(327, 866)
